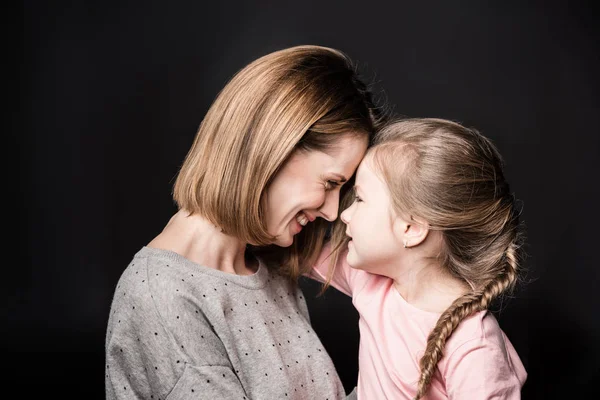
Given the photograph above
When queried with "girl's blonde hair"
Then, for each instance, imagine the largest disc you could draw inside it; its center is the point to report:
(303, 97)
(452, 177)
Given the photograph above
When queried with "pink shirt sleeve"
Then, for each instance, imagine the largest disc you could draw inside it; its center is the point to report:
(481, 369)
(344, 278)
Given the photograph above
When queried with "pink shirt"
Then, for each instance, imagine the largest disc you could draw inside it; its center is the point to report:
(479, 361)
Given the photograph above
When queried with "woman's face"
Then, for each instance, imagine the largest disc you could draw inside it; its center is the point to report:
(308, 187)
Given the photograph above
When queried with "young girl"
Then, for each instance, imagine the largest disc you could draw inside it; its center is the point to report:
(431, 239)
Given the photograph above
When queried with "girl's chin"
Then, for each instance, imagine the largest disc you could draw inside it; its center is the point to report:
(351, 257)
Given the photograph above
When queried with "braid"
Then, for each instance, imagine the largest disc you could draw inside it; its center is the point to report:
(460, 309)
(512, 261)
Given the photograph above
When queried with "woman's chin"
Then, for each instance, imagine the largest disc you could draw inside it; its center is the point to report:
(285, 240)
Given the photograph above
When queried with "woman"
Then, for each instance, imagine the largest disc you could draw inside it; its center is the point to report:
(201, 312)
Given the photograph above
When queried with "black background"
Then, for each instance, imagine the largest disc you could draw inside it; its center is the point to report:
(110, 96)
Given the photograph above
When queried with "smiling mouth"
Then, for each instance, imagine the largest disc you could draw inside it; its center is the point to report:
(302, 219)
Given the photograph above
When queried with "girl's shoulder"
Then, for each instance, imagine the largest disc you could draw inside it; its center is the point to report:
(480, 337)
(480, 350)
(481, 327)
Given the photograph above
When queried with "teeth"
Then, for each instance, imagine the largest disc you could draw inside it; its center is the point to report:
(302, 220)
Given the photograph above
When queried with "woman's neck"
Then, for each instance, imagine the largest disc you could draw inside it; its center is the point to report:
(195, 238)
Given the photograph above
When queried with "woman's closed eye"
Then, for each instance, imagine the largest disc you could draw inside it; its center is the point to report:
(331, 184)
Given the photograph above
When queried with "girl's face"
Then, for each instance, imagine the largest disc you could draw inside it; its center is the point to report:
(370, 223)
(308, 187)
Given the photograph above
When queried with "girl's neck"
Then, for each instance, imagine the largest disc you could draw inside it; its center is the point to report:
(198, 240)
(426, 286)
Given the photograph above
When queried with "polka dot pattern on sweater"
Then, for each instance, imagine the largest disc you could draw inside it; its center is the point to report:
(211, 332)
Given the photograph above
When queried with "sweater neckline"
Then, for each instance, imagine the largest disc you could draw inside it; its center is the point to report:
(257, 280)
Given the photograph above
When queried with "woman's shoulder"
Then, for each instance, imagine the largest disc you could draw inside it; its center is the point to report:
(156, 287)
(151, 269)
(154, 279)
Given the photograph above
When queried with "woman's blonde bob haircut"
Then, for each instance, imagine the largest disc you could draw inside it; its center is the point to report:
(300, 98)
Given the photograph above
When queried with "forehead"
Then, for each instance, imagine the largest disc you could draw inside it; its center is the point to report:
(342, 158)
(368, 178)
(349, 150)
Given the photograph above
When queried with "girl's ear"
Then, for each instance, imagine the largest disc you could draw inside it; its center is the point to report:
(410, 233)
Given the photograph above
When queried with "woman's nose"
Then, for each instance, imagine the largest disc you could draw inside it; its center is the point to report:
(329, 209)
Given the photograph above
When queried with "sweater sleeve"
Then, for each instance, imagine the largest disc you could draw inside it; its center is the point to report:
(144, 360)
(481, 369)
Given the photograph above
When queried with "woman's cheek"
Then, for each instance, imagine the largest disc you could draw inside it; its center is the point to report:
(317, 200)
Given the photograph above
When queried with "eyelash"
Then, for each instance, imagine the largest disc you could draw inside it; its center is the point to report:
(331, 184)
(357, 199)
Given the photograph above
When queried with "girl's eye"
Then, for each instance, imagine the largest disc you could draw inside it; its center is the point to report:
(357, 199)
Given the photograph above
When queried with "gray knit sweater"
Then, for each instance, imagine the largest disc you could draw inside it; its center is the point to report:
(179, 330)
